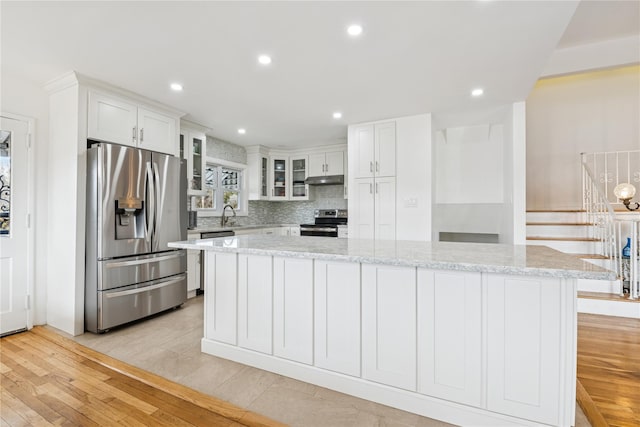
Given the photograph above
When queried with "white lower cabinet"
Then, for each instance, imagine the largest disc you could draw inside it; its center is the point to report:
(221, 297)
(255, 302)
(193, 271)
(293, 309)
(450, 335)
(524, 347)
(337, 316)
(389, 325)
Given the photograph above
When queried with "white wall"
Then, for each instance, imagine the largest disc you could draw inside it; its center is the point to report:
(413, 177)
(594, 111)
(479, 173)
(26, 98)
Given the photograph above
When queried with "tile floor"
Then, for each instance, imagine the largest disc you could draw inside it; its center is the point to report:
(169, 345)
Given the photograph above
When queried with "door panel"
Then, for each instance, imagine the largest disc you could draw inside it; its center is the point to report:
(170, 224)
(14, 233)
(335, 163)
(385, 164)
(364, 151)
(385, 208)
(362, 210)
(157, 132)
(117, 207)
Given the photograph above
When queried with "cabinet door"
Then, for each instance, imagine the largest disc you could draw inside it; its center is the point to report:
(334, 164)
(257, 176)
(337, 316)
(385, 208)
(111, 120)
(316, 164)
(279, 178)
(299, 170)
(255, 302)
(450, 335)
(524, 347)
(220, 298)
(193, 270)
(293, 309)
(385, 147)
(294, 231)
(197, 146)
(389, 325)
(364, 151)
(362, 210)
(157, 132)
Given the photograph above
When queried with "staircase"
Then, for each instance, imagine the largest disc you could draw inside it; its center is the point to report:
(568, 231)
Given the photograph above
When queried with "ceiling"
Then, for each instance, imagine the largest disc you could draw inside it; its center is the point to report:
(412, 57)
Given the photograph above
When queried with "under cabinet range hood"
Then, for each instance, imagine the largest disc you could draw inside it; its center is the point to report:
(325, 180)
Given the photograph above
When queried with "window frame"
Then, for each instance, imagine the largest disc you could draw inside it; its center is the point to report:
(243, 193)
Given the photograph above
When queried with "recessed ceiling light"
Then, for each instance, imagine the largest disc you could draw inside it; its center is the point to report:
(176, 86)
(264, 59)
(242, 131)
(354, 30)
(337, 115)
(477, 92)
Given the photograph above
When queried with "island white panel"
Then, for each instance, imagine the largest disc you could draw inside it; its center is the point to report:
(255, 302)
(524, 349)
(450, 335)
(293, 309)
(389, 325)
(221, 297)
(337, 316)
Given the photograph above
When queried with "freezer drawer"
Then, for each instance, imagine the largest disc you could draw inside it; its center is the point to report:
(115, 273)
(123, 305)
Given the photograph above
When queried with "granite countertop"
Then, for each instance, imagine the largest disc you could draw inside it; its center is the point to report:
(494, 258)
(213, 228)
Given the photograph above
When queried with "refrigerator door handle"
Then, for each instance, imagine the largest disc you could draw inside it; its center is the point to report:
(157, 209)
(146, 288)
(151, 203)
(119, 264)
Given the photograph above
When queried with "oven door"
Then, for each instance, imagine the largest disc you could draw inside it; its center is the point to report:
(324, 231)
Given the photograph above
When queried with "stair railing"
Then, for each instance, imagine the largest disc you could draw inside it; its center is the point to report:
(601, 216)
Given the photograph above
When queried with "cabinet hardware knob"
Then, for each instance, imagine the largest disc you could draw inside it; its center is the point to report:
(142, 135)
(370, 166)
(370, 188)
(134, 133)
(377, 166)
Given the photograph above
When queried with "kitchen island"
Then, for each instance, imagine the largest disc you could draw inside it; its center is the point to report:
(472, 334)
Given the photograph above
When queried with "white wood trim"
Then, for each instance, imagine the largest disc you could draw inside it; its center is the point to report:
(405, 400)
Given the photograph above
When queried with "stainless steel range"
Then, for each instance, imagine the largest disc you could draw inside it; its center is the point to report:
(328, 223)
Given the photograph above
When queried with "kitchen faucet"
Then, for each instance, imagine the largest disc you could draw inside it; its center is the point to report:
(224, 219)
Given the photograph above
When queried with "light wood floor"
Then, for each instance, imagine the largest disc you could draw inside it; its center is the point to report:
(609, 370)
(47, 379)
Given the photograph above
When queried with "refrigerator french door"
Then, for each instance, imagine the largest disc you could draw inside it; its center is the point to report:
(136, 205)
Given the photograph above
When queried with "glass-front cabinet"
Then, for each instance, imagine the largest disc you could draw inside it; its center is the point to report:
(279, 178)
(264, 176)
(193, 149)
(299, 172)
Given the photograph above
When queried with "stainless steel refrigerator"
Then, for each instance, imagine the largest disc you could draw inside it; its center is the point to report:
(136, 204)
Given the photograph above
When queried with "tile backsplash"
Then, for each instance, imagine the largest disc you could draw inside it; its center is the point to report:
(298, 212)
(266, 212)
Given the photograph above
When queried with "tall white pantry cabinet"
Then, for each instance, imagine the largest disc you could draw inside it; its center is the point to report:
(390, 187)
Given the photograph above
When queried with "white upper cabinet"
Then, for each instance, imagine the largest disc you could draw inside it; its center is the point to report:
(299, 166)
(329, 163)
(157, 132)
(279, 178)
(375, 150)
(113, 119)
(193, 143)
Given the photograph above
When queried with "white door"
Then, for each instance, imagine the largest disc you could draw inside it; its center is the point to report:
(14, 232)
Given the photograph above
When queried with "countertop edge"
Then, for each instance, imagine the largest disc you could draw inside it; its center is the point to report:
(436, 265)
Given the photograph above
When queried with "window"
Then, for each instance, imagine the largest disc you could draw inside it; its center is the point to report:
(224, 185)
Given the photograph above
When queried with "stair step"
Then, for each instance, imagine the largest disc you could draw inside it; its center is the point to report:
(599, 286)
(566, 216)
(555, 210)
(560, 223)
(607, 297)
(591, 256)
(564, 239)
